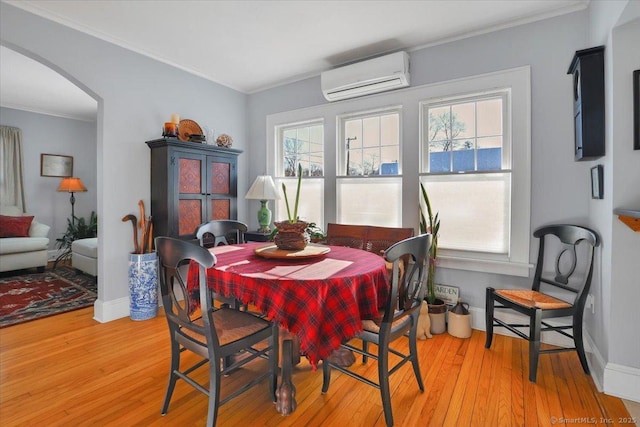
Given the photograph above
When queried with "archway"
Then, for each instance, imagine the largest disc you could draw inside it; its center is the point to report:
(48, 98)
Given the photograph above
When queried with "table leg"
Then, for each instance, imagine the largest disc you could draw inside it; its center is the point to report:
(295, 344)
(286, 392)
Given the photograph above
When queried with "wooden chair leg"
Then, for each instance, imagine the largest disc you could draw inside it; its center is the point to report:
(488, 312)
(534, 344)
(326, 376)
(385, 392)
(274, 361)
(413, 348)
(214, 393)
(175, 365)
(579, 343)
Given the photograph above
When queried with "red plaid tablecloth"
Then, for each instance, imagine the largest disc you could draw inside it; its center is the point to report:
(322, 300)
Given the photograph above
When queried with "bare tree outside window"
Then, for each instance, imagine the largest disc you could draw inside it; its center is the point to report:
(303, 145)
(444, 128)
(292, 147)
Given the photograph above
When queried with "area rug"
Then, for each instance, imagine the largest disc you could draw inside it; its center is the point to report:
(34, 296)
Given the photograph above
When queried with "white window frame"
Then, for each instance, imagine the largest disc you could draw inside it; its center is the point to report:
(519, 82)
(280, 129)
(517, 157)
(275, 163)
(367, 179)
(504, 94)
(340, 122)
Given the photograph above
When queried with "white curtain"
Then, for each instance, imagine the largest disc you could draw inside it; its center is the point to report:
(11, 165)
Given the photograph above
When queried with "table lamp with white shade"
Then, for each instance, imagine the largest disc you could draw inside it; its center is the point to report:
(263, 189)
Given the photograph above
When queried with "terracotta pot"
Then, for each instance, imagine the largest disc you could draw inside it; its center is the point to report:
(291, 236)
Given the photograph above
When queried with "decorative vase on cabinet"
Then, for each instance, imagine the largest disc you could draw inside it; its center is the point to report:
(191, 183)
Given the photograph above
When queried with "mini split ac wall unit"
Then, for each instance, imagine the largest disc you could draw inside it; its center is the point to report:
(367, 77)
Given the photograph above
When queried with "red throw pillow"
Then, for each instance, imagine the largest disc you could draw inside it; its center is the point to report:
(15, 226)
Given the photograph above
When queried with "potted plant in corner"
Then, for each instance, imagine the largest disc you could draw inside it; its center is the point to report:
(77, 228)
(292, 234)
(431, 224)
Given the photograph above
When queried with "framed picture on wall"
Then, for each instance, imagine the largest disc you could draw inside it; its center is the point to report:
(597, 184)
(636, 110)
(56, 165)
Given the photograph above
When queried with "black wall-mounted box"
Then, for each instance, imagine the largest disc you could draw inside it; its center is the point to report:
(587, 68)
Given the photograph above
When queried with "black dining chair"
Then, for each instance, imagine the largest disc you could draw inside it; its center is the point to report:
(213, 334)
(564, 267)
(369, 238)
(399, 321)
(222, 231)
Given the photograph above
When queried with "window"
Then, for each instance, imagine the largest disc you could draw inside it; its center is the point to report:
(368, 185)
(301, 144)
(464, 143)
(466, 168)
(371, 144)
(466, 135)
(474, 158)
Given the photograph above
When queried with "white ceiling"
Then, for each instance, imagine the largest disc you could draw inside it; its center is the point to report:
(28, 85)
(254, 45)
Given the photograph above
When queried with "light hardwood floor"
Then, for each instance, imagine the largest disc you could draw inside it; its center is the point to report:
(69, 370)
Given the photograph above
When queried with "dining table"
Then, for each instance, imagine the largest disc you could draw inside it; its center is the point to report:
(320, 294)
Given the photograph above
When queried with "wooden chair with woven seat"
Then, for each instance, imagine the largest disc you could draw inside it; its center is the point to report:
(212, 334)
(366, 237)
(399, 321)
(222, 231)
(369, 238)
(564, 265)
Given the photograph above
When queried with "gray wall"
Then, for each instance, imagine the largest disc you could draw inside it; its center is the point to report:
(47, 134)
(133, 103)
(558, 181)
(560, 186)
(625, 268)
(614, 327)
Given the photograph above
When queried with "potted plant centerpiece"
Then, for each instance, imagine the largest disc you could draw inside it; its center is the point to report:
(292, 234)
(431, 224)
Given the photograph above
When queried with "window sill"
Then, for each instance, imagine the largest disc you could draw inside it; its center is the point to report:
(485, 266)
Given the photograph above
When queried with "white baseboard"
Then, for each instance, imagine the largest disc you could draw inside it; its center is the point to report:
(52, 255)
(622, 381)
(111, 310)
(596, 361)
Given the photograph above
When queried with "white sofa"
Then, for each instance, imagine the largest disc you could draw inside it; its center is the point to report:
(84, 255)
(17, 253)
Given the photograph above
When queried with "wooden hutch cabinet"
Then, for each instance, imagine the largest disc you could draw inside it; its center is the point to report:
(191, 183)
